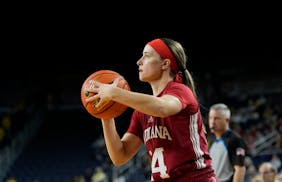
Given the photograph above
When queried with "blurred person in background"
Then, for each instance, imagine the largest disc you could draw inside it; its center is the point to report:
(99, 175)
(228, 149)
(268, 172)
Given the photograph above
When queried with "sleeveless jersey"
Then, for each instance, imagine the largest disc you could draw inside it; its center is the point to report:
(177, 144)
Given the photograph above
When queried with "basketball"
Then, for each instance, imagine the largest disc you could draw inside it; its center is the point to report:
(110, 109)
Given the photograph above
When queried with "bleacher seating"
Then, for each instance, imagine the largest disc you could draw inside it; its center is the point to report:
(60, 151)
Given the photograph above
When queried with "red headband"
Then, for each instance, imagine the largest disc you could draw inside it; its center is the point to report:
(163, 50)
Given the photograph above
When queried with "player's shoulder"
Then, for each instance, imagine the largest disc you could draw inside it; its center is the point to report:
(176, 85)
(235, 137)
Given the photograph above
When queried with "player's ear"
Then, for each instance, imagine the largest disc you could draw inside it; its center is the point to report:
(166, 63)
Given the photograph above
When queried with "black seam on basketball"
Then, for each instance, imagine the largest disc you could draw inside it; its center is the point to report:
(117, 108)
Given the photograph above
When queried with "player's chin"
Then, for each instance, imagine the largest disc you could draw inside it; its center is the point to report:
(141, 78)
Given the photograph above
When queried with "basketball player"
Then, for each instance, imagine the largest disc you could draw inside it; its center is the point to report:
(168, 122)
(228, 150)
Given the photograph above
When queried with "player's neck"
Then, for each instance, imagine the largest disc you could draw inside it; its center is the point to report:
(159, 85)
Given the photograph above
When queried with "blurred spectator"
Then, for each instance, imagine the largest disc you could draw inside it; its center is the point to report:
(267, 172)
(99, 175)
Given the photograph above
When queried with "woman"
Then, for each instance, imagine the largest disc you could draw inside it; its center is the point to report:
(168, 122)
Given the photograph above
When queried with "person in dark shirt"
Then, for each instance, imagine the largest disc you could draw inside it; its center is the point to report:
(228, 150)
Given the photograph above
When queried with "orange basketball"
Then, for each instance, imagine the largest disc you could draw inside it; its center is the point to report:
(111, 109)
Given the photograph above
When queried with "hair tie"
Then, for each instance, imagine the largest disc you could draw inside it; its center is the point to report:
(184, 69)
(178, 77)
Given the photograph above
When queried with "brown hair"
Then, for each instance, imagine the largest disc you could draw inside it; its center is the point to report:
(181, 59)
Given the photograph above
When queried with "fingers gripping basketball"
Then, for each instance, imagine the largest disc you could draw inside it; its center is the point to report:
(109, 109)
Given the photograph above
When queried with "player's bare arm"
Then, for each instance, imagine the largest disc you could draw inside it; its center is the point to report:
(120, 150)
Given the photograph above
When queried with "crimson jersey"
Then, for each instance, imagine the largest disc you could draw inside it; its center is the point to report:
(177, 144)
